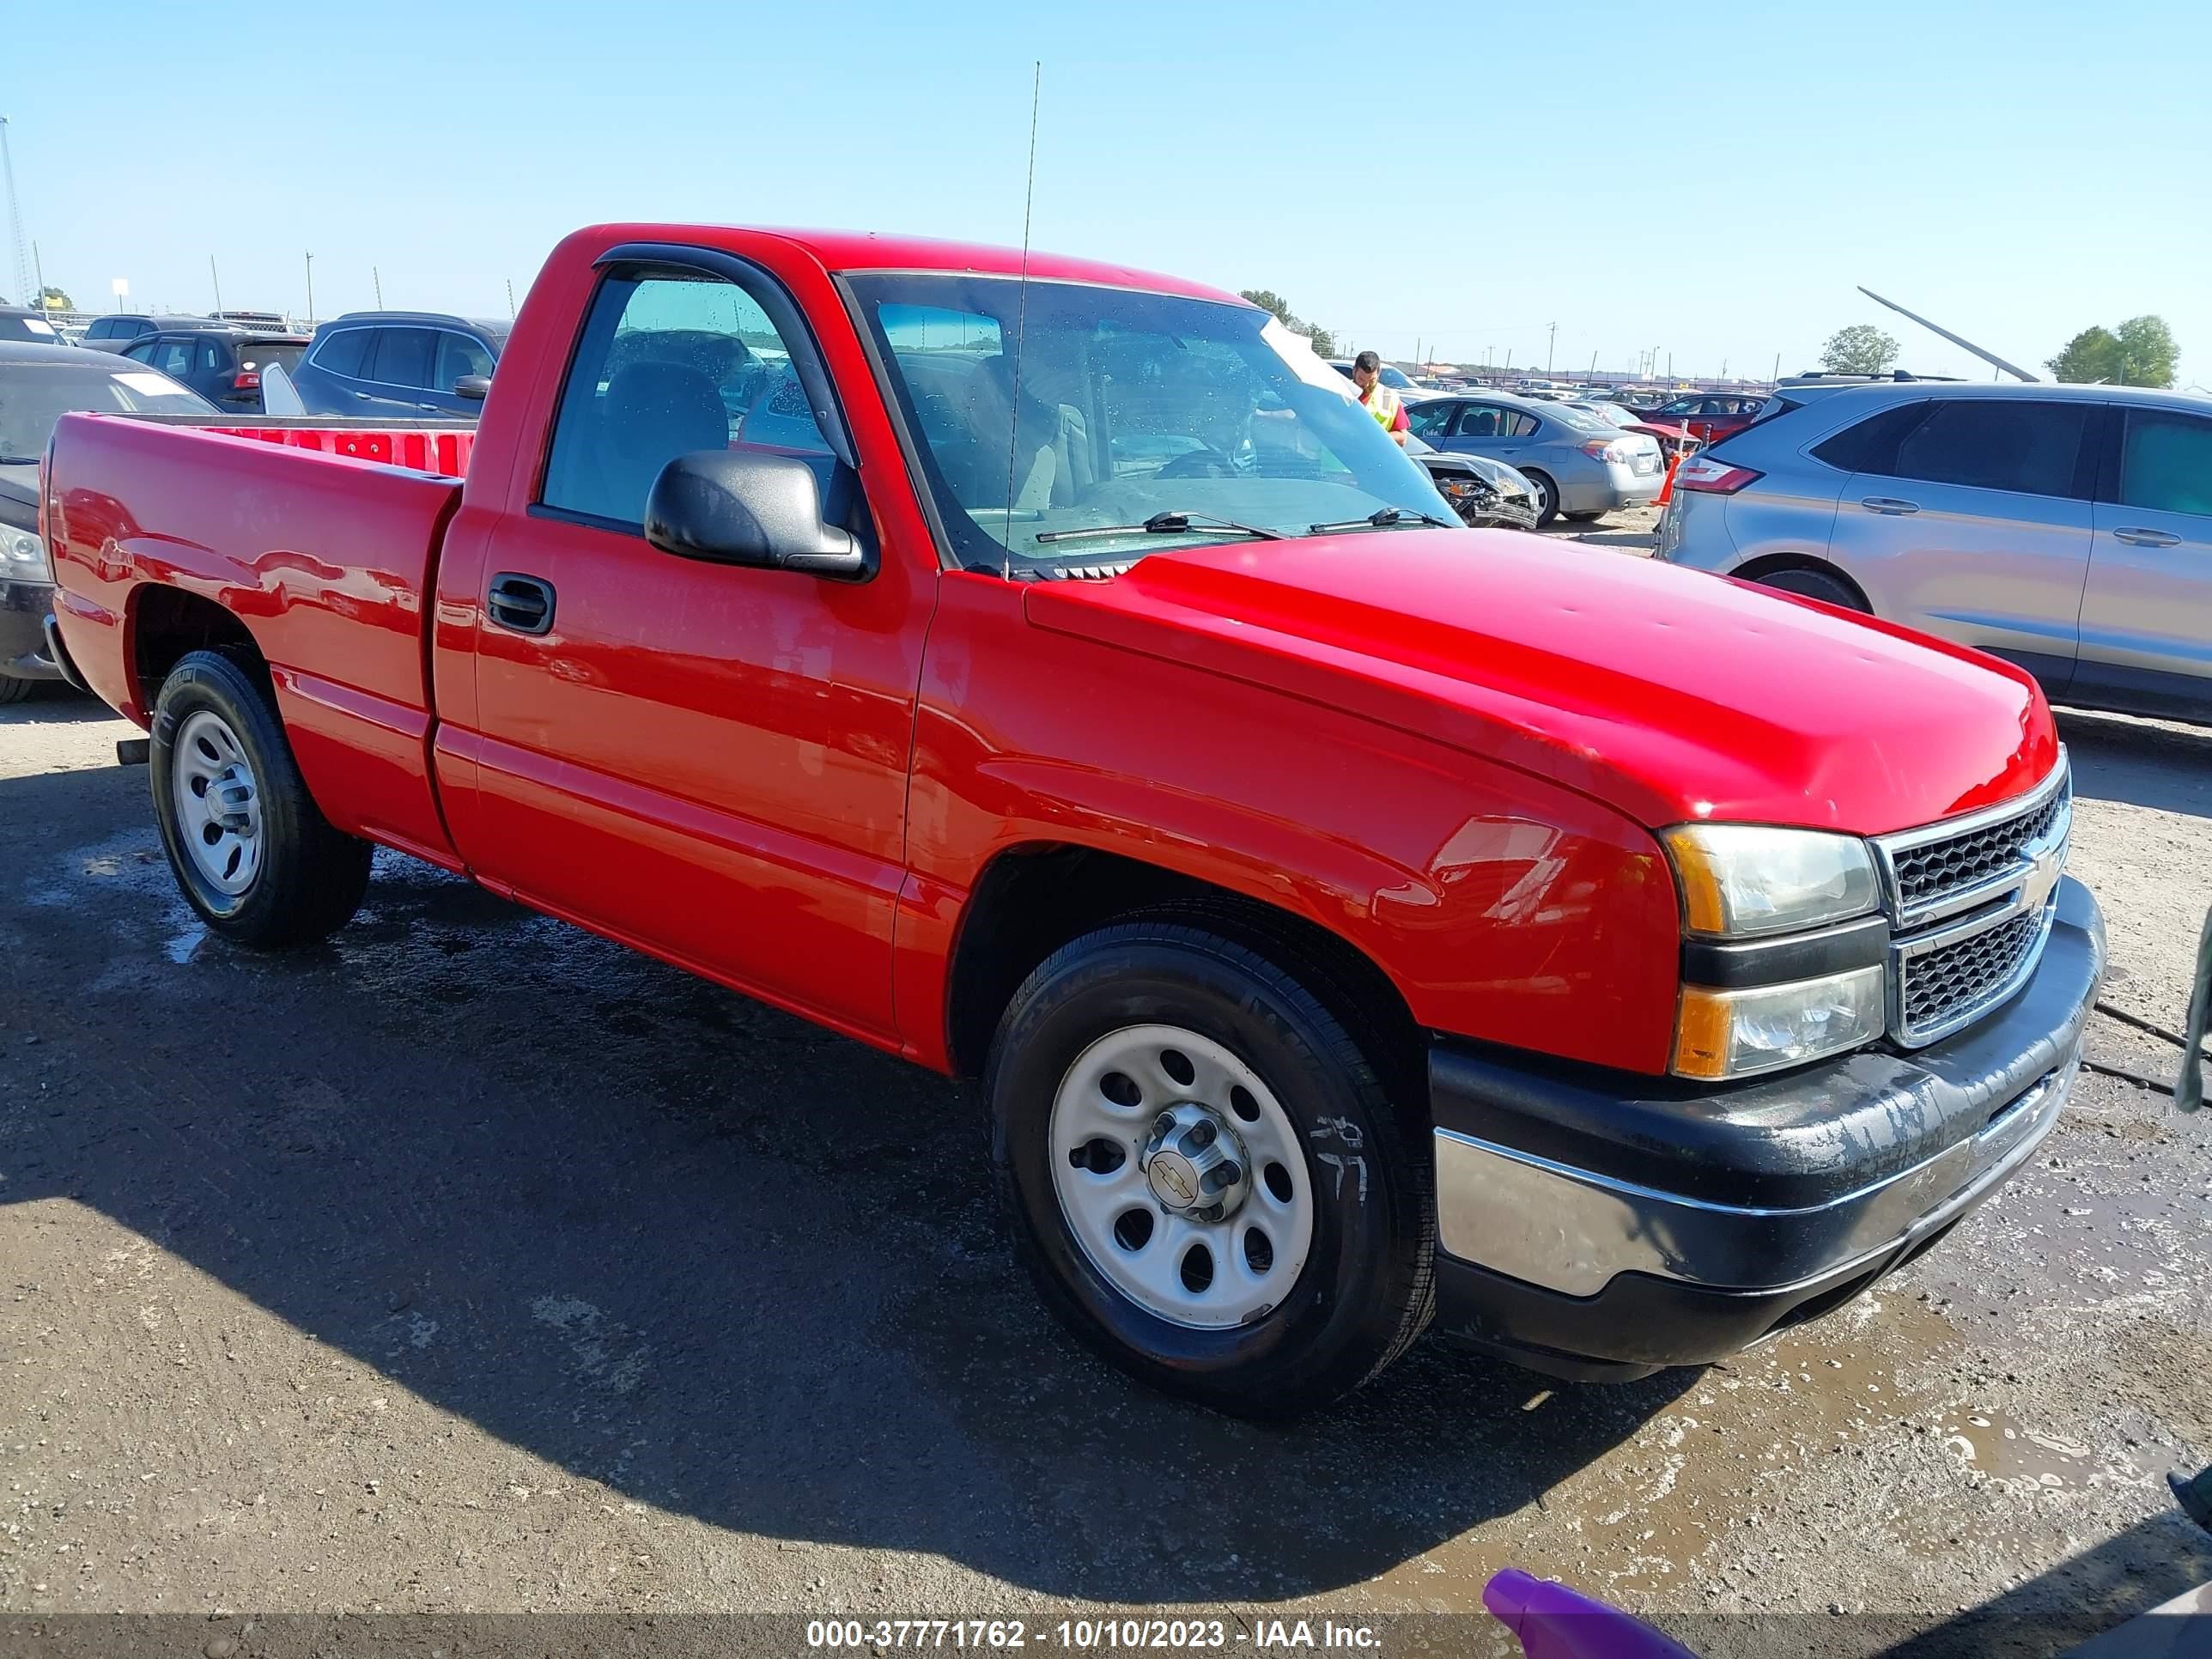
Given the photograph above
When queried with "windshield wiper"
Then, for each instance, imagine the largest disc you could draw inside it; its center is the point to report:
(1166, 523)
(1381, 520)
(19, 460)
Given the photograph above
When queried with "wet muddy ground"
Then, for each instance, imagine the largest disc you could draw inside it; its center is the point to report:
(471, 1264)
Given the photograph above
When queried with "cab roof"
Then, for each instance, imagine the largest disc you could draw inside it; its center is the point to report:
(867, 250)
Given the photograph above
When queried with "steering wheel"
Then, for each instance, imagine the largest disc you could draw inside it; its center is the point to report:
(1206, 463)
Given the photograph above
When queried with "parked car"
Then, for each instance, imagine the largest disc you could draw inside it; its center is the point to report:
(1346, 917)
(1673, 440)
(383, 363)
(1709, 416)
(32, 327)
(222, 362)
(119, 328)
(2066, 528)
(1582, 466)
(38, 383)
(1486, 494)
(1408, 390)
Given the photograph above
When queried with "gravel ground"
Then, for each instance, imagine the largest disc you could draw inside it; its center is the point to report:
(471, 1265)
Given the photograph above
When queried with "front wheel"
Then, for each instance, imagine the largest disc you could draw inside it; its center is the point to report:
(250, 849)
(13, 690)
(1205, 1174)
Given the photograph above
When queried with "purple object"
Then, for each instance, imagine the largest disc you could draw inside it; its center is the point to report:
(1554, 1622)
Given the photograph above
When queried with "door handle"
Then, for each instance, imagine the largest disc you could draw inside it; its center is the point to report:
(2147, 537)
(523, 603)
(1888, 504)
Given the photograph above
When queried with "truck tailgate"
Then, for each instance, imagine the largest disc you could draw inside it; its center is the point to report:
(324, 558)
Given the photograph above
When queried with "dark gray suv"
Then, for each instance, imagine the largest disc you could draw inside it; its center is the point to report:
(400, 362)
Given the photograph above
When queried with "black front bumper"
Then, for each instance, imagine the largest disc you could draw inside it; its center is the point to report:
(1600, 1224)
(23, 651)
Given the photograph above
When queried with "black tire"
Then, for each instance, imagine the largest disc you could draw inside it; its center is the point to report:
(1817, 585)
(1547, 497)
(310, 875)
(1366, 1290)
(1582, 518)
(14, 691)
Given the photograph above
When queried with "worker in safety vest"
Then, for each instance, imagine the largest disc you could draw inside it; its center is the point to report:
(1384, 404)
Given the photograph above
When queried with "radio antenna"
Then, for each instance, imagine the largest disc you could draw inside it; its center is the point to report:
(1021, 323)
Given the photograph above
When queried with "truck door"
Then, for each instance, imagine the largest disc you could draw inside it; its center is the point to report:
(705, 761)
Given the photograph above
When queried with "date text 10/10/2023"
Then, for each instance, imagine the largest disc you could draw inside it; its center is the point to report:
(1119, 1635)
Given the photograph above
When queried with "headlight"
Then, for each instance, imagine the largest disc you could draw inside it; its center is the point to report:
(1729, 1034)
(23, 556)
(1458, 489)
(1741, 879)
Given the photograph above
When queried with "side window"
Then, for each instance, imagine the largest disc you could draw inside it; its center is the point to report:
(1871, 445)
(2167, 466)
(1482, 421)
(211, 356)
(1519, 423)
(1429, 420)
(140, 350)
(174, 358)
(401, 357)
(2031, 448)
(343, 352)
(458, 355)
(668, 366)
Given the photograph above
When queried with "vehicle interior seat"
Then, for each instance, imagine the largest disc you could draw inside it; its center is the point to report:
(654, 412)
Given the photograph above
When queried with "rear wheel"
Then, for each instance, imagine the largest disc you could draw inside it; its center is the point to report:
(1817, 585)
(251, 851)
(1204, 1175)
(1547, 495)
(1582, 518)
(13, 690)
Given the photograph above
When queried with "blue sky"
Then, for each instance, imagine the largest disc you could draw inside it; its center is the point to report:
(1711, 179)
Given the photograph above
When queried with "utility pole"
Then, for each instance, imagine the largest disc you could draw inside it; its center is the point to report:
(1670, 367)
(510, 304)
(14, 215)
(310, 288)
(216, 279)
(39, 276)
(1550, 347)
(1778, 368)
(377, 282)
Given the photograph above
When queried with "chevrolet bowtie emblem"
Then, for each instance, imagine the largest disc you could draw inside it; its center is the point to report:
(2042, 877)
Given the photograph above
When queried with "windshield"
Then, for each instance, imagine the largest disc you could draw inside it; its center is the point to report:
(1130, 406)
(34, 396)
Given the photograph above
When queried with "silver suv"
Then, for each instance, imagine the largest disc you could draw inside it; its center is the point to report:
(2067, 528)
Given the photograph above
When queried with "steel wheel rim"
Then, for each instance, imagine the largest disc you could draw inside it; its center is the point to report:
(1096, 1112)
(218, 803)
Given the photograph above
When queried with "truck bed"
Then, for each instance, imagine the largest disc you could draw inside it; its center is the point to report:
(304, 533)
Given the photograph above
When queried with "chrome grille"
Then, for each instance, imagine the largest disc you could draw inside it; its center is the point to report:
(1971, 902)
(1934, 871)
(1956, 982)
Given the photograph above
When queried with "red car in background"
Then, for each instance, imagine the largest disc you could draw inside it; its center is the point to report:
(1709, 416)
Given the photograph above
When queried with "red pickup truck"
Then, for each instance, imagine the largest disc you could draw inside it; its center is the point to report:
(1036, 670)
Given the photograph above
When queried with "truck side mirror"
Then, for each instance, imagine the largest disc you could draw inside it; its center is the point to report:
(472, 386)
(750, 508)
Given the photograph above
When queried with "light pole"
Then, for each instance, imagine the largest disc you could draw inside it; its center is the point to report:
(310, 288)
(1550, 346)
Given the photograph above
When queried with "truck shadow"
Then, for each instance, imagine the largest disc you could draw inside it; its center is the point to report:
(684, 1245)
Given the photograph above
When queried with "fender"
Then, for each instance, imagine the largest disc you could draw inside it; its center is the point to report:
(1502, 906)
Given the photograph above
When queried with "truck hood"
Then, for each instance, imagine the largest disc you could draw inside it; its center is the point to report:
(1669, 694)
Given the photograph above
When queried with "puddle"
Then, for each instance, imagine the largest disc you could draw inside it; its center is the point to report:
(1997, 1445)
